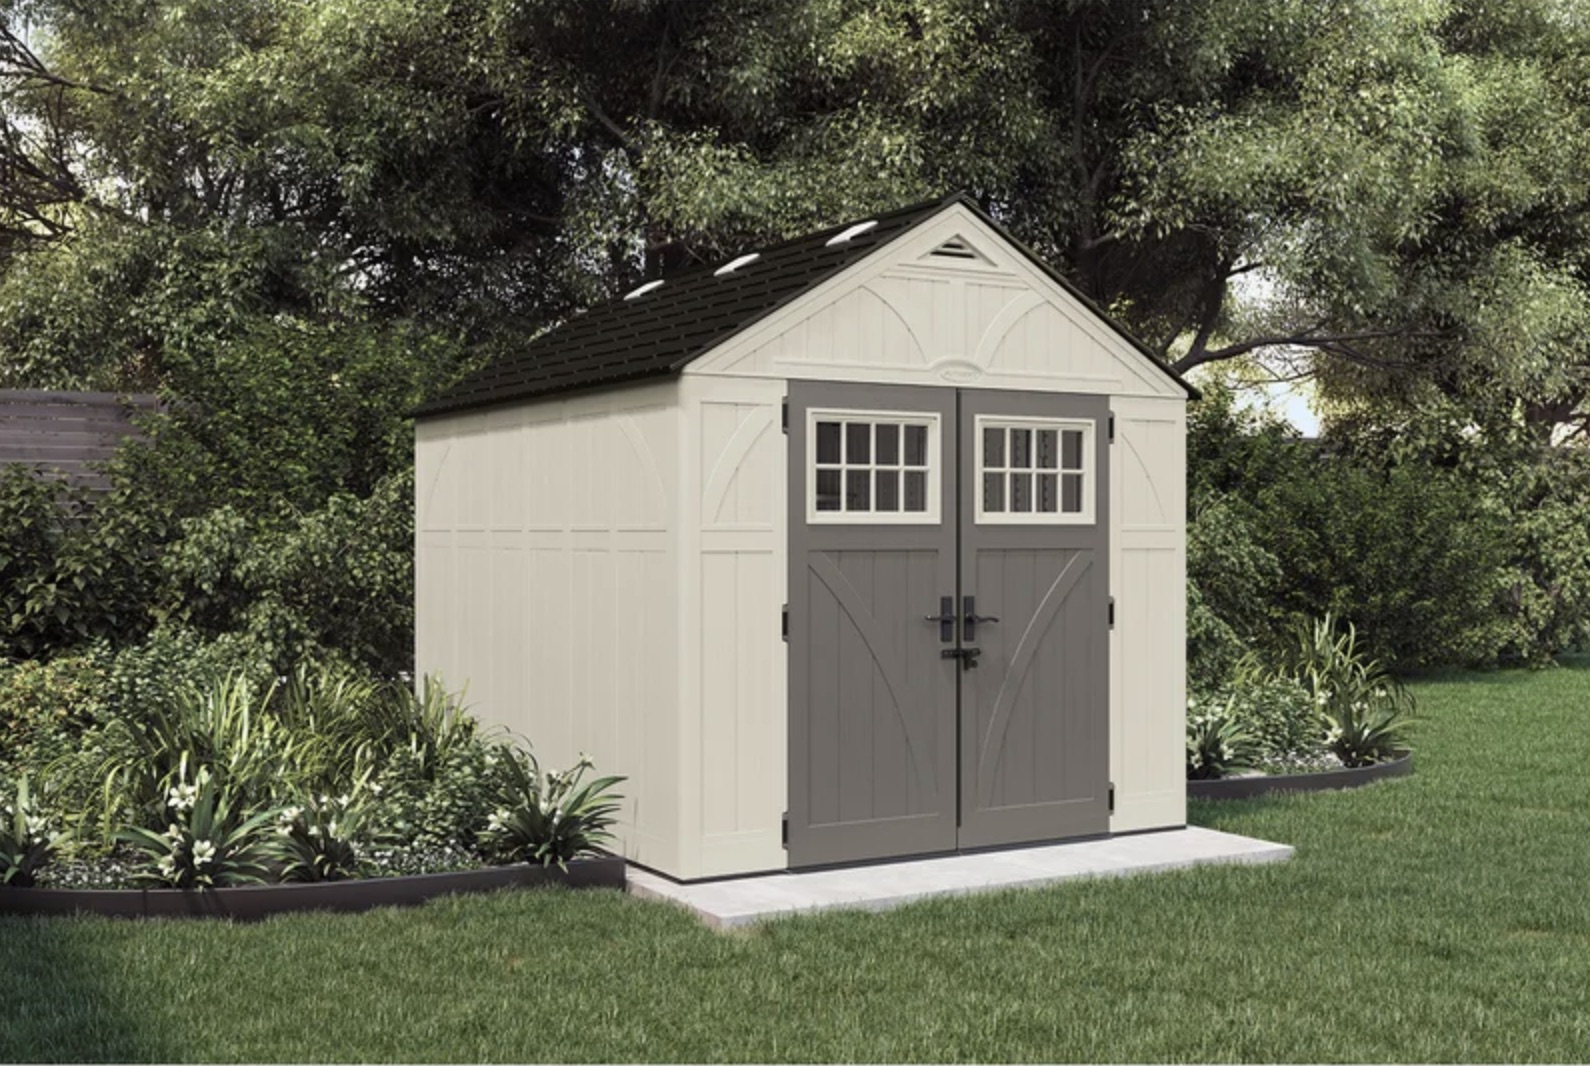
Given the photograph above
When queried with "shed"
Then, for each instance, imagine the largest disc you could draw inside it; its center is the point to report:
(869, 544)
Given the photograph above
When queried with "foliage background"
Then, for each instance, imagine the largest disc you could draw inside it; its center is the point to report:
(296, 219)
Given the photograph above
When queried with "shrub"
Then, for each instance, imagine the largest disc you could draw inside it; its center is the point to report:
(1218, 743)
(1367, 711)
(317, 841)
(209, 842)
(1277, 712)
(549, 817)
(28, 837)
(45, 708)
(338, 580)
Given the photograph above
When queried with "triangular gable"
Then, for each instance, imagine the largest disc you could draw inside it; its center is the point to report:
(987, 313)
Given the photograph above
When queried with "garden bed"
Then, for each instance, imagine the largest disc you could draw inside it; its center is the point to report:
(259, 901)
(1320, 781)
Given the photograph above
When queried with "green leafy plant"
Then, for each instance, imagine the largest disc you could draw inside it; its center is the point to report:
(209, 840)
(1218, 743)
(318, 841)
(28, 838)
(549, 817)
(1277, 711)
(1368, 714)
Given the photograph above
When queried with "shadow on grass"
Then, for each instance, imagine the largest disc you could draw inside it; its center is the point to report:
(65, 996)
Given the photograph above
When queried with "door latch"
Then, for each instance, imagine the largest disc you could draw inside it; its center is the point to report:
(967, 656)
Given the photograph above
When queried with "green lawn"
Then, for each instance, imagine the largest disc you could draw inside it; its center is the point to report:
(1443, 917)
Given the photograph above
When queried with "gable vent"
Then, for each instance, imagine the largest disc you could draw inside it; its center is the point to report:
(955, 248)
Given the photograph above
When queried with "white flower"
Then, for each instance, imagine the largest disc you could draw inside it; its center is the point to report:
(203, 852)
(290, 815)
(174, 834)
(180, 797)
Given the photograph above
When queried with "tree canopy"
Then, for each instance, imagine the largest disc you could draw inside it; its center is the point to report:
(1388, 193)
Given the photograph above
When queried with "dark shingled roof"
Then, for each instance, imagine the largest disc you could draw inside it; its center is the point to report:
(658, 333)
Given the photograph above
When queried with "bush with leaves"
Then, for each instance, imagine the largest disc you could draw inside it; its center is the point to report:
(29, 835)
(1367, 711)
(1275, 710)
(319, 840)
(46, 707)
(1218, 742)
(211, 839)
(549, 816)
(337, 580)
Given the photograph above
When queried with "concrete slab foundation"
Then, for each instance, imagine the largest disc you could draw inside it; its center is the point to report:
(741, 901)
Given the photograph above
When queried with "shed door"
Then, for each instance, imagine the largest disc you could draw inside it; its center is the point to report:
(918, 722)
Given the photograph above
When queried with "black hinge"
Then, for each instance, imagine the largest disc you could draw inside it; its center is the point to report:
(784, 417)
(1112, 429)
(784, 628)
(1112, 797)
(785, 830)
(1112, 612)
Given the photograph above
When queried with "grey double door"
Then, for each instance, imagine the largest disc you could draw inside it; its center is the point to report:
(948, 620)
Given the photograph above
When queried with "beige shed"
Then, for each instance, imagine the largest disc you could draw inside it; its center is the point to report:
(869, 544)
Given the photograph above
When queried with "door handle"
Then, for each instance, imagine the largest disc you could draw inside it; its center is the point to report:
(945, 618)
(972, 617)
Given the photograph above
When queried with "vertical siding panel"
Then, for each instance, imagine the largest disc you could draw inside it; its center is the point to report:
(753, 654)
(719, 683)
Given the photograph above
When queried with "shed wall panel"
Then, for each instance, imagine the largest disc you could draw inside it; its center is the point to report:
(1148, 571)
(733, 692)
(546, 553)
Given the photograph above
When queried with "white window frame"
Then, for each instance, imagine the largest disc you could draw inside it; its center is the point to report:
(935, 467)
(1090, 487)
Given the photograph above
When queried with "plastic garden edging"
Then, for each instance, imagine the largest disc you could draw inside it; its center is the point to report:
(251, 902)
(1324, 780)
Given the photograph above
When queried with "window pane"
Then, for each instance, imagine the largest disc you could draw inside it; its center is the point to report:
(915, 488)
(888, 489)
(993, 493)
(1021, 447)
(1046, 456)
(828, 442)
(1071, 493)
(888, 445)
(858, 442)
(828, 490)
(915, 449)
(993, 448)
(1021, 492)
(1071, 445)
(1046, 493)
(858, 490)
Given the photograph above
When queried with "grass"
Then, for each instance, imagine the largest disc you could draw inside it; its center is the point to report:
(1443, 917)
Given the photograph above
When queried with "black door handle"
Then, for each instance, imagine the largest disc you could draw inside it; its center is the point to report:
(945, 618)
(972, 617)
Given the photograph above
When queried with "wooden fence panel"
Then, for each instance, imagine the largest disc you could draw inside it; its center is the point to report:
(65, 434)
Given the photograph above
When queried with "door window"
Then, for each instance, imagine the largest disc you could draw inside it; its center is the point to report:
(872, 466)
(1035, 471)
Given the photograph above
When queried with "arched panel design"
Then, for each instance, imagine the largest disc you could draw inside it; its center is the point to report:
(730, 466)
(1018, 689)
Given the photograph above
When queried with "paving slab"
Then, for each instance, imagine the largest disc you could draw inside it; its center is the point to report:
(740, 901)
